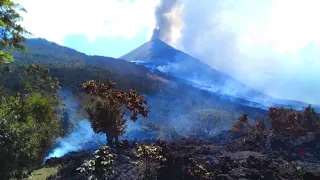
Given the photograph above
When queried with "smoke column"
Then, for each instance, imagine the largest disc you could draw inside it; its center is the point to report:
(270, 45)
(168, 20)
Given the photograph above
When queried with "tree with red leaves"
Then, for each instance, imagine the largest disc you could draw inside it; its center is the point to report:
(106, 113)
(292, 123)
(241, 126)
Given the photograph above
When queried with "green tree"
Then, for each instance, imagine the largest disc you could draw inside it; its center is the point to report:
(12, 34)
(29, 127)
(106, 113)
(29, 123)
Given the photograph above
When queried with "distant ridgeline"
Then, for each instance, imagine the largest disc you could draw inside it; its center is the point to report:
(72, 67)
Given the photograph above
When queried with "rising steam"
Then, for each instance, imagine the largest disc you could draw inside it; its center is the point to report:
(80, 134)
(168, 21)
(270, 45)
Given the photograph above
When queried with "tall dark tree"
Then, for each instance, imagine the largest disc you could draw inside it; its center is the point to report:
(107, 112)
(12, 34)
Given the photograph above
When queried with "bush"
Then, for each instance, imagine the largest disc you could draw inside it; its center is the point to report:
(150, 153)
(101, 166)
(199, 171)
(241, 126)
(291, 123)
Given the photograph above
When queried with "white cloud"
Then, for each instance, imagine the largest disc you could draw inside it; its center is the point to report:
(271, 45)
(290, 25)
(54, 19)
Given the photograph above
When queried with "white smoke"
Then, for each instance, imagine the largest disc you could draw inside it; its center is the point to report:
(270, 45)
(169, 20)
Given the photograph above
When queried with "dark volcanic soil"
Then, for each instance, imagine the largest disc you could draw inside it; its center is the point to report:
(264, 156)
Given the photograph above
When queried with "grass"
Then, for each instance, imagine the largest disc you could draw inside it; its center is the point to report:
(43, 173)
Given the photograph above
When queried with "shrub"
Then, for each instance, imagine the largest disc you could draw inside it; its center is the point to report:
(150, 153)
(101, 166)
(241, 126)
(199, 171)
(291, 123)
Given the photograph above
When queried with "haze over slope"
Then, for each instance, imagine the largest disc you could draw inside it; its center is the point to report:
(165, 92)
(270, 45)
(178, 109)
(157, 55)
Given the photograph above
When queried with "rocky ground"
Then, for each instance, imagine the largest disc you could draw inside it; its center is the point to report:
(265, 156)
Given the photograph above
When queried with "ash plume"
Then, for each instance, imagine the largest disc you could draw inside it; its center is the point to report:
(168, 20)
(264, 44)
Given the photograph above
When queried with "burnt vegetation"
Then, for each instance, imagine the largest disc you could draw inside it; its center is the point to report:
(285, 144)
(250, 150)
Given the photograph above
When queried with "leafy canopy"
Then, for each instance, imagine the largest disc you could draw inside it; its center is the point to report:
(12, 34)
(106, 113)
(29, 124)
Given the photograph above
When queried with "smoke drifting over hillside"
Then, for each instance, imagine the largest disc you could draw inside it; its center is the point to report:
(80, 134)
(270, 45)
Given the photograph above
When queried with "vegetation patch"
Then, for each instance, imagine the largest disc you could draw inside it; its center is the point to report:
(43, 173)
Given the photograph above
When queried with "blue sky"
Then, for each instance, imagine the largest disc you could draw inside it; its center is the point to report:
(100, 27)
(106, 46)
(270, 45)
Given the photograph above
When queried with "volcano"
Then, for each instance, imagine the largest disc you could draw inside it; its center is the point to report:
(159, 56)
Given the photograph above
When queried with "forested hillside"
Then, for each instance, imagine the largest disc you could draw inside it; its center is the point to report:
(72, 67)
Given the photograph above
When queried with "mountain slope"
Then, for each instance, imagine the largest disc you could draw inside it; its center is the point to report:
(171, 98)
(157, 55)
(73, 67)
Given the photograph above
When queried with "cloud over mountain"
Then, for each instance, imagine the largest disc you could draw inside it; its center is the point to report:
(271, 45)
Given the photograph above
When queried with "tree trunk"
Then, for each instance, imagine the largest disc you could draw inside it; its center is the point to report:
(109, 140)
(116, 140)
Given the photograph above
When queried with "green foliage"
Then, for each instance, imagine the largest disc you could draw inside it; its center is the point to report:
(31, 79)
(73, 68)
(106, 114)
(106, 117)
(101, 166)
(150, 153)
(28, 126)
(147, 155)
(43, 173)
(29, 122)
(12, 34)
